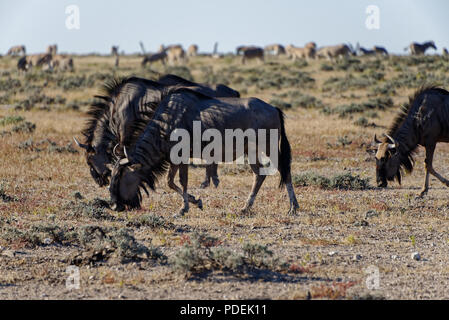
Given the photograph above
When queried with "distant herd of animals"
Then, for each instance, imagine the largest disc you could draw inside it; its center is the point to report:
(127, 136)
(175, 54)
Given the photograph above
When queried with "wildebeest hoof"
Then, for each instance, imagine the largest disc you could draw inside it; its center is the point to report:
(422, 194)
(216, 182)
(118, 207)
(293, 211)
(181, 213)
(204, 185)
(200, 204)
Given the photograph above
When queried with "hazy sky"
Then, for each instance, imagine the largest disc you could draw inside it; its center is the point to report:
(37, 23)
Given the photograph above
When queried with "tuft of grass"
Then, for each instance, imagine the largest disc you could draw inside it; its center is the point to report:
(11, 120)
(345, 181)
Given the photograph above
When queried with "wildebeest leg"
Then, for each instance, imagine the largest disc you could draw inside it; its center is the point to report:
(258, 180)
(214, 174)
(206, 181)
(183, 179)
(429, 168)
(292, 197)
(171, 183)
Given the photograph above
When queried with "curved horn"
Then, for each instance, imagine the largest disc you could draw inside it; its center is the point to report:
(114, 151)
(376, 140)
(81, 145)
(390, 138)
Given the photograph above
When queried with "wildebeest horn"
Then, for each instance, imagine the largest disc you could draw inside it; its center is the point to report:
(376, 140)
(113, 151)
(126, 153)
(81, 145)
(391, 145)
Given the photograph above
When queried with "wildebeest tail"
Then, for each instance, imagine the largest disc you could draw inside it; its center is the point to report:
(285, 153)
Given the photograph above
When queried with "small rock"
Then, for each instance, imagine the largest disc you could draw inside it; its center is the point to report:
(332, 253)
(44, 295)
(371, 213)
(77, 195)
(121, 296)
(394, 257)
(9, 253)
(416, 256)
(47, 241)
(357, 257)
(91, 277)
(362, 223)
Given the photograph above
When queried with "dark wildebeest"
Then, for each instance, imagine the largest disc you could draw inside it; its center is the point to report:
(252, 53)
(366, 52)
(219, 90)
(178, 111)
(113, 120)
(419, 49)
(22, 64)
(160, 56)
(52, 49)
(424, 121)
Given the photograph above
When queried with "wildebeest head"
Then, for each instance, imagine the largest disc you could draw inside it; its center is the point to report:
(125, 185)
(97, 159)
(387, 161)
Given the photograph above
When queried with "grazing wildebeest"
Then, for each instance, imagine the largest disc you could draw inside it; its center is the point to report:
(250, 53)
(380, 50)
(307, 52)
(274, 49)
(62, 63)
(160, 56)
(52, 49)
(124, 105)
(218, 90)
(445, 52)
(22, 64)
(178, 109)
(424, 121)
(16, 50)
(334, 52)
(419, 49)
(192, 51)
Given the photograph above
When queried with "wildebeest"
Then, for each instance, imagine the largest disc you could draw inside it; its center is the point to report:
(16, 50)
(334, 52)
(52, 49)
(160, 56)
(150, 156)
(113, 120)
(275, 49)
(192, 51)
(307, 52)
(22, 64)
(419, 49)
(424, 121)
(366, 52)
(250, 53)
(445, 52)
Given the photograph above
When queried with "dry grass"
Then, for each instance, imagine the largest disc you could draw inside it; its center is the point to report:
(319, 244)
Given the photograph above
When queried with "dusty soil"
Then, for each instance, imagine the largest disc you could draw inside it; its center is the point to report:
(47, 205)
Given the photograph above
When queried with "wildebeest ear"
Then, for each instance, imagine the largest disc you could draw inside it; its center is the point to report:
(135, 167)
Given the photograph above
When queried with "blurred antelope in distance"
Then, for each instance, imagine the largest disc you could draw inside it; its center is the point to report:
(275, 49)
(420, 49)
(16, 50)
(308, 52)
(52, 49)
(335, 52)
(192, 51)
